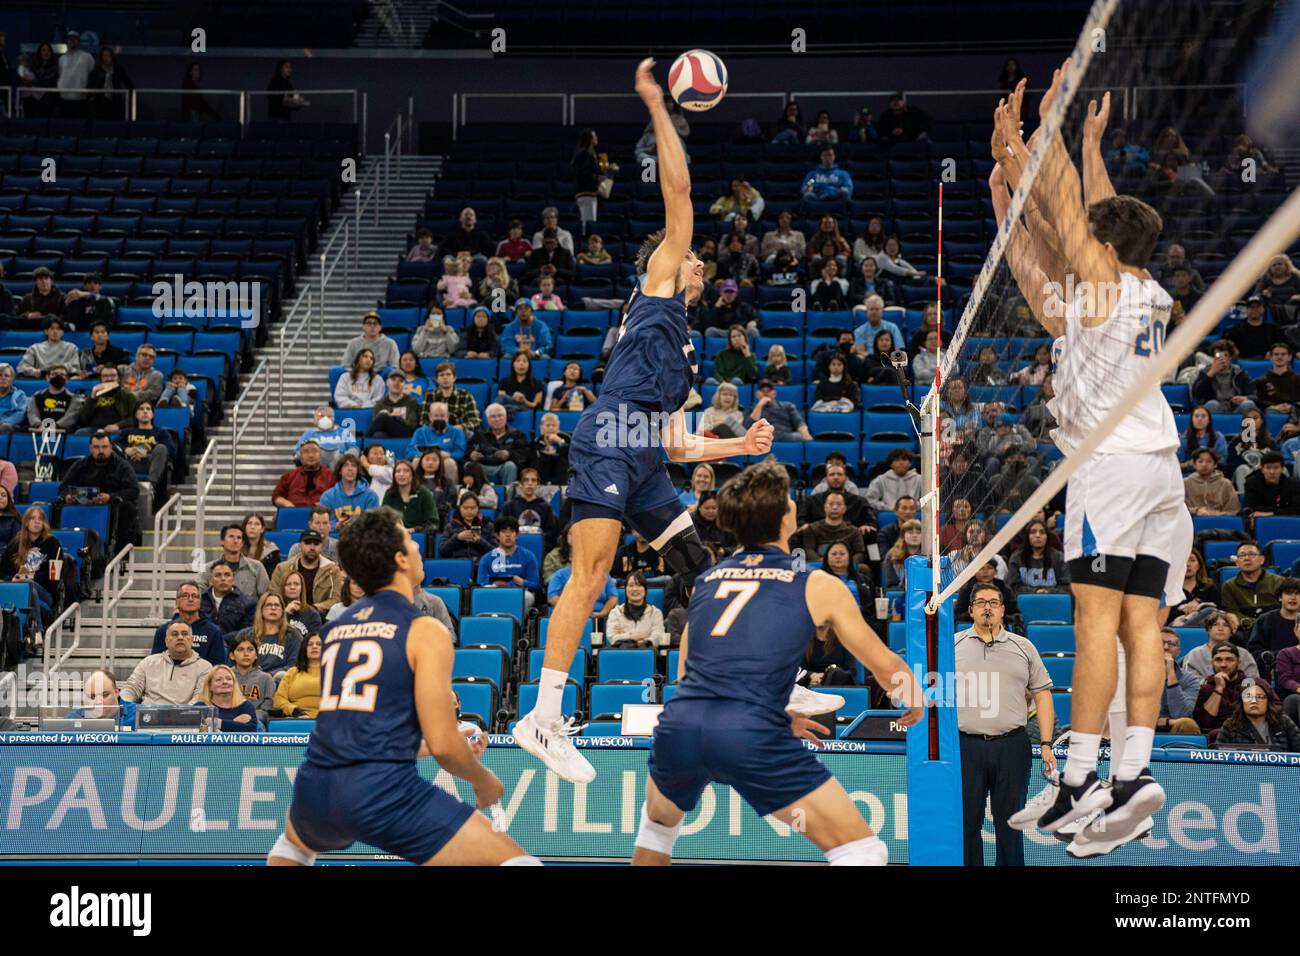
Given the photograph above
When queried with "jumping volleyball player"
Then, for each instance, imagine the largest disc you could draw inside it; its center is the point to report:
(386, 699)
(647, 381)
(1126, 515)
(750, 620)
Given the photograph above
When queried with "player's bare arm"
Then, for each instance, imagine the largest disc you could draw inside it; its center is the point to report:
(430, 653)
(681, 445)
(1024, 256)
(1057, 190)
(1096, 180)
(674, 183)
(830, 602)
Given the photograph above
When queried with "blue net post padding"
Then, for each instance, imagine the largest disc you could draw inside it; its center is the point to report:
(934, 805)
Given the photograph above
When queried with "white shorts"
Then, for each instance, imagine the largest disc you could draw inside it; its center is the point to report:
(1180, 546)
(1126, 505)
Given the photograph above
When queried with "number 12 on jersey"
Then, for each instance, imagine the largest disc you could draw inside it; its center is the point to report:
(1151, 339)
(743, 591)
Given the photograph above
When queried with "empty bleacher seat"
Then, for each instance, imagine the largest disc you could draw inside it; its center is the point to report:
(1056, 608)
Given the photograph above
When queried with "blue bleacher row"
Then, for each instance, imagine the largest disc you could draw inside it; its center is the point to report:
(263, 139)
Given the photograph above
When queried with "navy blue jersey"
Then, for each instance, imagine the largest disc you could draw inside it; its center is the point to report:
(367, 705)
(748, 629)
(653, 364)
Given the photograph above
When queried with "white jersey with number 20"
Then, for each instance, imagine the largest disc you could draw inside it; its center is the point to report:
(1098, 365)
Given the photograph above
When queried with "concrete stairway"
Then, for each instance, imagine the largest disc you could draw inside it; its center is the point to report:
(396, 24)
(260, 462)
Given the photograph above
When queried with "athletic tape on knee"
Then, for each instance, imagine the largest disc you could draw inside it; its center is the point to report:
(656, 837)
(522, 861)
(287, 849)
(870, 851)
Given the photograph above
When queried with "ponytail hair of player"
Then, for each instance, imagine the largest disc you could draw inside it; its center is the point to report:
(753, 504)
(368, 548)
(1129, 225)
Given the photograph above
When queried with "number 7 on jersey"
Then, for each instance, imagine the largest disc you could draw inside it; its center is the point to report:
(743, 591)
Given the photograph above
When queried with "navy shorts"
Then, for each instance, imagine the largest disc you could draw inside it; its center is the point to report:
(616, 482)
(698, 742)
(389, 806)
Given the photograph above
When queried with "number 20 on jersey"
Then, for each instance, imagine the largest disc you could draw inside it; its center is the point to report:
(1151, 339)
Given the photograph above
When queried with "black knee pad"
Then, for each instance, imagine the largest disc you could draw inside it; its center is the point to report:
(686, 554)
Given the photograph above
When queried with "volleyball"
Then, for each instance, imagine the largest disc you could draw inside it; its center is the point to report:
(698, 80)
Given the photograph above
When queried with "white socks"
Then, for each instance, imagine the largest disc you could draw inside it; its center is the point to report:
(288, 850)
(550, 695)
(1082, 759)
(522, 861)
(1137, 754)
(1118, 737)
(656, 837)
(870, 851)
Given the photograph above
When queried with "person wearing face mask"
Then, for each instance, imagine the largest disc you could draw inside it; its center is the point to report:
(332, 437)
(441, 434)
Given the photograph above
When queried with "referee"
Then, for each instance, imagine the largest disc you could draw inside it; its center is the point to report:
(995, 750)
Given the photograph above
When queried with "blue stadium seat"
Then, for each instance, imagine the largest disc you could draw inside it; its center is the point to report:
(1180, 742)
(290, 725)
(1213, 522)
(666, 692)
(292, 519)
(603, 728)
(611, 698)
(490, 662)
(450, 597)
(1056, 608)
(456, 571)
(577, 669)
(625, 664)
(1061, 670)
(543, 624)
(674, 657)
(1061, 704)
(476, 697)
(1051, 638)
(1276, 527)
(499, 631)
(856, 700)
(91, 517)
(498, 601)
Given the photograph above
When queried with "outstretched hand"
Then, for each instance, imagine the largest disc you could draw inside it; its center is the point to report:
(1058, 75)
(1094, 122)
(805, 728)
(758, 440)
(646, 86)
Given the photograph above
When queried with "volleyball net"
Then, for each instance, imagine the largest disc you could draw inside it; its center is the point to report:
(1149, 104)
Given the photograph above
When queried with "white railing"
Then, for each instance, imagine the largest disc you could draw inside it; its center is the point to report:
(163, 536)
(131, 102)
(366, 194)
(54, 640)
(116, 585)
(296, 323)
(257, 395)
(205, 476)
(10, 678)
(392, 144)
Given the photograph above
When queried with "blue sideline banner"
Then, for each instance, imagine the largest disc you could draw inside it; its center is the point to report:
(198, 800)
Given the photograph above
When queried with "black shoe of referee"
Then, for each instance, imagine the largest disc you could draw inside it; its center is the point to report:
(1073, 803)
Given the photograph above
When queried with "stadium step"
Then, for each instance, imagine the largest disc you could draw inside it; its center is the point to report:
(397, 24)
(260, 462)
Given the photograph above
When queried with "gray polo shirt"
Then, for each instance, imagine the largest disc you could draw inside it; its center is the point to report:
(993, 679)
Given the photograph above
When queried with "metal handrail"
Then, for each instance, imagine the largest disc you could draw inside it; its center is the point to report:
(205, 476)
(54, 639)
(289, 341)
(161, 542)
(10, 677)
(328, 267)
(392, 144)
(362, 199)
(254, 398)
(115, 588)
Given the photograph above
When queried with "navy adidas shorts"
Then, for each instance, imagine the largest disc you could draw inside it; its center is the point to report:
(389, 806)
(616, 482)
(701, 741)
